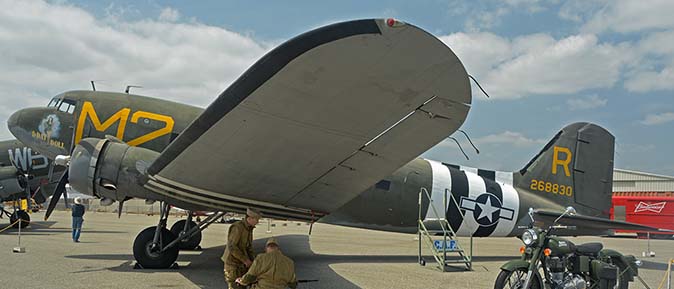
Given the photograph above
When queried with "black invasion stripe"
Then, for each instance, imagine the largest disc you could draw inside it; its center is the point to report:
(459, 189)
(495, 189)
(256, 76)
(490, 175)
(186, 192)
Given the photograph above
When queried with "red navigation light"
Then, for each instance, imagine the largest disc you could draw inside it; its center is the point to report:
(390, 22)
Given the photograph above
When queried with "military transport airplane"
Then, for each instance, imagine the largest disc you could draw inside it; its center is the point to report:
(327, 126)
(21, 166)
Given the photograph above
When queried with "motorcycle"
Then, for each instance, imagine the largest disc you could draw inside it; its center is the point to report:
(553, 262)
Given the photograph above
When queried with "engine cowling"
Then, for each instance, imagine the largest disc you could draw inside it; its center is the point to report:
(11, 182)
(109, 168)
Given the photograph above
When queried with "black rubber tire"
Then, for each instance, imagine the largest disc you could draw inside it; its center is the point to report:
(150, 260)
(25, 219)
(502, 280)
(191, 243)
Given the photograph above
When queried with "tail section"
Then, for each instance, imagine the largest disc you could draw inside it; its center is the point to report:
(574, 169)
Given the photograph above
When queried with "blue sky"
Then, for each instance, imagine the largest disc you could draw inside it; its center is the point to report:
(545, 63)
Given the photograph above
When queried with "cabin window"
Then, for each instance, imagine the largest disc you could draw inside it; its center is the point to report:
(383, 185)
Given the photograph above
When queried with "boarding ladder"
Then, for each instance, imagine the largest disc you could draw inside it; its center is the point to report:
(430, 229)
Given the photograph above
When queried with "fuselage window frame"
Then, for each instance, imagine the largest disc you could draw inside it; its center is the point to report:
(54, 102)
(67, 106)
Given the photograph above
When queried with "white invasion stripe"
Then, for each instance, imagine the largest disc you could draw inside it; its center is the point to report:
(511, 200)
(504, 178)
(468, 169)
(476, 187)
(441, 181)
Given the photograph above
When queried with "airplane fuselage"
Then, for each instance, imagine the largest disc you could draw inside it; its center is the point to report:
(475, 202)
(13, 152)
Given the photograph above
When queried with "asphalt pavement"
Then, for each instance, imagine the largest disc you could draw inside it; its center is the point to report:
(338, 257)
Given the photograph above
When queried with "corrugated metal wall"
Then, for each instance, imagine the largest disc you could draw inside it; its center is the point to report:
(632, 181)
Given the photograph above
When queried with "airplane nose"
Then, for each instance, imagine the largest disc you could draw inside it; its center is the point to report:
(14, 120)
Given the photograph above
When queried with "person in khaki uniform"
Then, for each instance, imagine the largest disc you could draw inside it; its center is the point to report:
(271, 270)
(239, 254)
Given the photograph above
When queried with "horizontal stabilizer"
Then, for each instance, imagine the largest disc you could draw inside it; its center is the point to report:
(594, 223)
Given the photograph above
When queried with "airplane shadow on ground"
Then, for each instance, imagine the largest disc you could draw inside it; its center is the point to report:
(205, 268)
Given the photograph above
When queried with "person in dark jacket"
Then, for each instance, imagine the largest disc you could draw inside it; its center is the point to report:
(77, 213)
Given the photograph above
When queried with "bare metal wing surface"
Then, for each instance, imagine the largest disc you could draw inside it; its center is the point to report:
(319, 119)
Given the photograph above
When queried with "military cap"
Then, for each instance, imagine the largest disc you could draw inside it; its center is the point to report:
(253, 213)
(272, 240)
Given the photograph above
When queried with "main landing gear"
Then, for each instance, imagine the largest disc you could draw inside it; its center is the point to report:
(157, 247)
(180, 229)
(19, 214)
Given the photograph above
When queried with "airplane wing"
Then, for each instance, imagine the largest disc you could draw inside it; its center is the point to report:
(593, 223)
(318, 120)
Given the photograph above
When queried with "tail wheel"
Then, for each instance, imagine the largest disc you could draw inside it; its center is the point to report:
(191, 243)
(20, 214)
(515, 280)
(149, 256)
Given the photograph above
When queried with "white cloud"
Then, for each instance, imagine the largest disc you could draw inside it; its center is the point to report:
(169, 14)
(580, 10)
(658, 43)
(484, 15)
(531, 6)
(655, 70)
(658, 118)
(626, 16)
(651, 81)
(538, 64)
(50, 48)
(652, 68)
(509, 138)
(590, 102)
(486, 19)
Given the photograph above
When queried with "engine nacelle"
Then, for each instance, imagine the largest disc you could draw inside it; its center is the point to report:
(11, 182)
(109, 168)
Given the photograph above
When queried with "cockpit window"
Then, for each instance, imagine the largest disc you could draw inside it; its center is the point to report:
(53, 102)
(67, 105)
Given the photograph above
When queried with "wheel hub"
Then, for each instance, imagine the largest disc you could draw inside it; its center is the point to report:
(152, 250)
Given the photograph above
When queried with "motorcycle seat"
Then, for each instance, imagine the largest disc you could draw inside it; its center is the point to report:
(589, 248)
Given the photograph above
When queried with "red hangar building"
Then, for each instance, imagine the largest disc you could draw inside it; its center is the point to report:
(643, 198)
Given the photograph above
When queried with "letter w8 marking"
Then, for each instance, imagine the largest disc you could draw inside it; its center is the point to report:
(556, 161)
(122, 117)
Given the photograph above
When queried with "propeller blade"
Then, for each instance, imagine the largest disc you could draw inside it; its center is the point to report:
(28, 194)
(60, 189)
(65, 196)
(119, 210)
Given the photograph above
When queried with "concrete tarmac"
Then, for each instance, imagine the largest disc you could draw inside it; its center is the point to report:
(339, 257)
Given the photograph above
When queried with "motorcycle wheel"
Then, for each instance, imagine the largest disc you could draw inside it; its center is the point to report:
(515, 280)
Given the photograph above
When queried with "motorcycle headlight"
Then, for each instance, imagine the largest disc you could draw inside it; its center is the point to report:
(529, 237)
